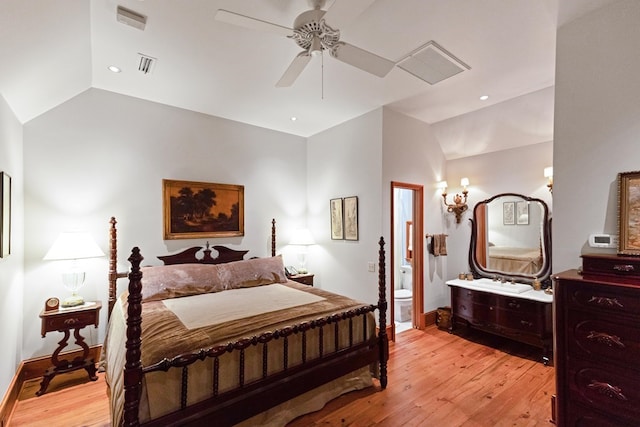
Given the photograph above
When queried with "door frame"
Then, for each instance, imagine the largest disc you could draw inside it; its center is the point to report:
(417, 312)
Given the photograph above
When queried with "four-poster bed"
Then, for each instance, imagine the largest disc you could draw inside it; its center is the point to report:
(269, 350)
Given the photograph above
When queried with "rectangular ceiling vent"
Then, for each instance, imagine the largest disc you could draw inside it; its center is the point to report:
(131, 18)
(432, 63)
(146, 63)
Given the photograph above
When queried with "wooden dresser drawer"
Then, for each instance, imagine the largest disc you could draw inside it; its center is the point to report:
(611, 265)
(584, 416)
(599, 298)
(612, 342)
(616, 391)
(71, 320)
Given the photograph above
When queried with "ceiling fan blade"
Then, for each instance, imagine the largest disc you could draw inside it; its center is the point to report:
(360, 58)
(251, 23)
(343, 12)
(294, 70)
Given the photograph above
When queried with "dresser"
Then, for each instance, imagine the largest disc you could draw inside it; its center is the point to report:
(525, 317)
(597, 343)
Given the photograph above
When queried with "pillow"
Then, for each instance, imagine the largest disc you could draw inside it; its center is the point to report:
(171, 281)
(252, 272)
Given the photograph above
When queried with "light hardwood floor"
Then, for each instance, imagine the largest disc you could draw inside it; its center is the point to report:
(435, 379)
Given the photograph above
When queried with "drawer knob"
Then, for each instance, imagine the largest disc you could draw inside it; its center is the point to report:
(608, 390)
(606, 339)
(605, 302)
(526, 323)
(514, 304)
(623, 267)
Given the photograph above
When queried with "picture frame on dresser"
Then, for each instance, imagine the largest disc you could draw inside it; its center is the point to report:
(5, 215)
(629, 213)
(194, 210)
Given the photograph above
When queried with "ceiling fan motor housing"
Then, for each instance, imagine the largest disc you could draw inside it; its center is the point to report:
(309, 25)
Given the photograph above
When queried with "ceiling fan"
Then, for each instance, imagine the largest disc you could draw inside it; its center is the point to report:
(312, 32)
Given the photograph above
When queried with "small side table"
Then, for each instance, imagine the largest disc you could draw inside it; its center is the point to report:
(305, 279)
(64, 320)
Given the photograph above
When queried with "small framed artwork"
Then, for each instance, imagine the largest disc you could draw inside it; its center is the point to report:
(337, 228)
(629, 213)
(194, 210)
(5, 215)
(508, 213)
(351, 218)
(522, 213)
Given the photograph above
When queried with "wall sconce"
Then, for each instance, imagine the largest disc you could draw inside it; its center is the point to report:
(548, 173)
(459, 205)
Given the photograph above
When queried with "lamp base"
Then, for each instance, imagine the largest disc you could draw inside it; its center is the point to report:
(73, 301)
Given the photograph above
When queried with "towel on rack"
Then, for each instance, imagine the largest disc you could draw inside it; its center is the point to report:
(439, 244)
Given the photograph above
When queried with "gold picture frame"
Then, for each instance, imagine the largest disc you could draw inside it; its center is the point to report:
(194, 210)
(629, 213)
(5, 215)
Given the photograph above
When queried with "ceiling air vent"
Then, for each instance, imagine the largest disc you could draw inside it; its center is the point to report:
(432, 63)
(146, 63)
(131, 18)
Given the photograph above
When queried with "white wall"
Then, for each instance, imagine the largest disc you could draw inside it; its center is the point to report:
(11, 277)
(341, 162)
(411, 154)
(102, 154)
(597, 126)
(519, 170)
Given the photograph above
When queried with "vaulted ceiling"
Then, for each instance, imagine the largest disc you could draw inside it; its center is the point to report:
(52, 50)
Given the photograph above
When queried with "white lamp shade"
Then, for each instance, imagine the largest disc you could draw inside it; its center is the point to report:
(464, 182)
(442, 184)
(548, 172)
(302, 237)
(73, 245)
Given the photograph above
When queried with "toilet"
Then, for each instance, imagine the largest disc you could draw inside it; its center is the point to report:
(402, 298)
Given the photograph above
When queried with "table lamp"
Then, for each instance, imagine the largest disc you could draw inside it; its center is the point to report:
(303, 238)
(73, 246)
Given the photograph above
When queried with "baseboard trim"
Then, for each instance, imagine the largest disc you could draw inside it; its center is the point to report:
(34, 368)
(429, 318)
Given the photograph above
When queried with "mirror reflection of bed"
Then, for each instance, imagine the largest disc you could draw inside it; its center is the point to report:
(507, 246)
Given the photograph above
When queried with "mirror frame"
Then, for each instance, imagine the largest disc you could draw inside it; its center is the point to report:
(544, 276)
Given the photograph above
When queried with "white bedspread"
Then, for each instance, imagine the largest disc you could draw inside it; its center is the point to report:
(215, 308)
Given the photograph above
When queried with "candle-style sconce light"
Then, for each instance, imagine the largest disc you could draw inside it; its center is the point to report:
(459, 205)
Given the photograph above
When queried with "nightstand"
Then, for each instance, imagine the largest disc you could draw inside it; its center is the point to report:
(305, 279)
(64, 320)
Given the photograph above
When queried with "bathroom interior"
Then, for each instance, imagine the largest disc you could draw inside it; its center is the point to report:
(403, 260)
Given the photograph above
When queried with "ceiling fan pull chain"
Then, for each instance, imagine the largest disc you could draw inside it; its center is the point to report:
(322, 75)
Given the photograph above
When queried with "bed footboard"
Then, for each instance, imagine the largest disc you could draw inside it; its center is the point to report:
(234, 406)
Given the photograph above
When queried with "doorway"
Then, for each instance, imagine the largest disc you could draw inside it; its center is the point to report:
(406, 294)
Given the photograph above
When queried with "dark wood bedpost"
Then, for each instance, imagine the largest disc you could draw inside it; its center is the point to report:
(382, 310)
(133, 365)
(113, 265)
(273, 237)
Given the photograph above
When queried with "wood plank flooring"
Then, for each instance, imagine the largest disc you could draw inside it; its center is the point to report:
(435, 379)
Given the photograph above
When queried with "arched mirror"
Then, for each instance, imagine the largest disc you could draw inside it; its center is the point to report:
(511, 238)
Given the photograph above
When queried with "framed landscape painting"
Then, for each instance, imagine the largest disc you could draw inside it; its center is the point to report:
(5, 214)
(629, 213)
(194, 210)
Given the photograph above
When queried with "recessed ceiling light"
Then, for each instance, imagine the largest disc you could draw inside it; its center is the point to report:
(293, 119)
(484, 97)
(114, 69)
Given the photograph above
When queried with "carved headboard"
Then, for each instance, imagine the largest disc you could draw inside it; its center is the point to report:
(185, 257)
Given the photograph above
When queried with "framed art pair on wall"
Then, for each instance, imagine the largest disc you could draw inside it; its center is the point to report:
(344, 218)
